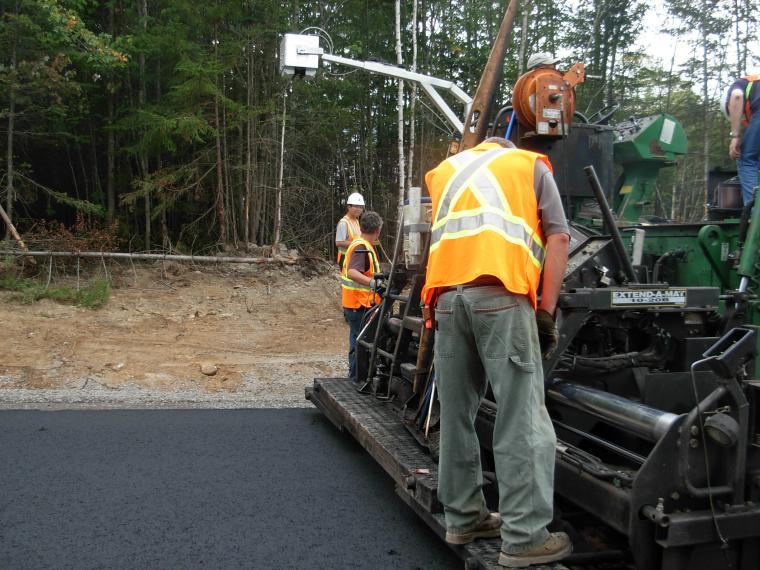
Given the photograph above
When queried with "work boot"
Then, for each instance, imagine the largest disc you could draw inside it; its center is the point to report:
(487, 528)
(556, 547)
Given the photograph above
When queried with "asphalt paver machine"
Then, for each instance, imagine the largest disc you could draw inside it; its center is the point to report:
(653, 389)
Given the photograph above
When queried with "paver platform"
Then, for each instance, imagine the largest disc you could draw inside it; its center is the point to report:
(379, 430)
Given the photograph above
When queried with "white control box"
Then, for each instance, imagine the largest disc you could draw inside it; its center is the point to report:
(299, 55)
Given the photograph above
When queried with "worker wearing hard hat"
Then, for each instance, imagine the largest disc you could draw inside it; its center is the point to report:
(741, 105)
(498, 224)
(542, 60)
(348, 226)
(358, 286)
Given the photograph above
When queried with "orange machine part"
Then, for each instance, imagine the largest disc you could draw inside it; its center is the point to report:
(544, 99)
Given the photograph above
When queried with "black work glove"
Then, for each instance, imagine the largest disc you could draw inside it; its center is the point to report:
(378, 285)
(547, 333)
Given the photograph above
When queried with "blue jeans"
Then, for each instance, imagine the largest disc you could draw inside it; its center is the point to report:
(749, 160)
(354, 320)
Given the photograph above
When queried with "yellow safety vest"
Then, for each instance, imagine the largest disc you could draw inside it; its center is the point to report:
(353, 294)
(485, 221)
(747, 90)
(353, 232)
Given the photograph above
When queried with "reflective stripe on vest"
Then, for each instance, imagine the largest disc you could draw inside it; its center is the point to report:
(352, 227)
(747, 90)
(486, 221)
(494, 213)
(355, 295)
(747, 106)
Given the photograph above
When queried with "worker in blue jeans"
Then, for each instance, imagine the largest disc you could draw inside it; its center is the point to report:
(357, 281)
(741, 104)
(354, 319)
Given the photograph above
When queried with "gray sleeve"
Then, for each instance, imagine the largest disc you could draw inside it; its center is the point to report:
(550, 210)
(341, 231)
(359, 260)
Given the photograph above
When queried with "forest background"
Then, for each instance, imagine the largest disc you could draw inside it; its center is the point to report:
(164, 125)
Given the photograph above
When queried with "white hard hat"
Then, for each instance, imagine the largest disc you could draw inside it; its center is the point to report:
(355, 199)
(542, 59)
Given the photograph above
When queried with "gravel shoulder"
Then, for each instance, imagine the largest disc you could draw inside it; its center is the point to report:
(174, 336)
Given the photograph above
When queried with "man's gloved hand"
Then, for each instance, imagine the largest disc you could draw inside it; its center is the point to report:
(377, 285)
(547, 333)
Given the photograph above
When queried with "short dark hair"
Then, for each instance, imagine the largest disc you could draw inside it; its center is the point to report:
(370, 222)
(501, 141)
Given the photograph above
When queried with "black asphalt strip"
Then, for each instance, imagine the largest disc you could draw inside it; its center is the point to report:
(199, 489)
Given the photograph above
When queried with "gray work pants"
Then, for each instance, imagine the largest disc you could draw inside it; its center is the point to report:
(486, 334)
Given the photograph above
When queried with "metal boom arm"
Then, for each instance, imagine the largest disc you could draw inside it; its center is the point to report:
(428, 84)
(300, 55)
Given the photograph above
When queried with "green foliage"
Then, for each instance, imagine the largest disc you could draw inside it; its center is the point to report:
(28, 290)
(65, 28)
(82, 206)
(164, 131)
(95, 295)
(182, 107)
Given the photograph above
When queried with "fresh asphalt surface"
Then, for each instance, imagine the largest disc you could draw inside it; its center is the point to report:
(199, 489)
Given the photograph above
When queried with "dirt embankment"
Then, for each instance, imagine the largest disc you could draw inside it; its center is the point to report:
(178, 336)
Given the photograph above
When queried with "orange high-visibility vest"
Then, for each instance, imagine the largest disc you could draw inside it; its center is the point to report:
(355, 295)
(485, 220)
(352, 226)
(747, 107)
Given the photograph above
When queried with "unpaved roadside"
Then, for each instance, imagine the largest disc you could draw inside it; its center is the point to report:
(266, 331)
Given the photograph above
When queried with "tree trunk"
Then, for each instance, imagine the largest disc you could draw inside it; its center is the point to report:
(83, 170)
(611, 77)
(737, 40)
(413, 100)
(705, 107)
(278, 197)
(221, 215)
(111, 144)
(165, 239)
(747, 23)
(680, 191)
(9, 136)
(240, 183)
(11, 230)
(142, 97)
(400, 61)
(111, 162)
(220, 201)
(670, 76)
(230, 194)
(94, 170)
(595, 56)
(248, 146)
(524, 37)
(73, 174)
(426, 58)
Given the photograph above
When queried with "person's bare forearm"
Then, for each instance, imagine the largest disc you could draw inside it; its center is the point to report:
(735, 111)
(557, 246)
(343, 244)
(359, 277)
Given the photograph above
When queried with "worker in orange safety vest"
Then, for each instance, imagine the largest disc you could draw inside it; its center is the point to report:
(497, 223)
(358, 286)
